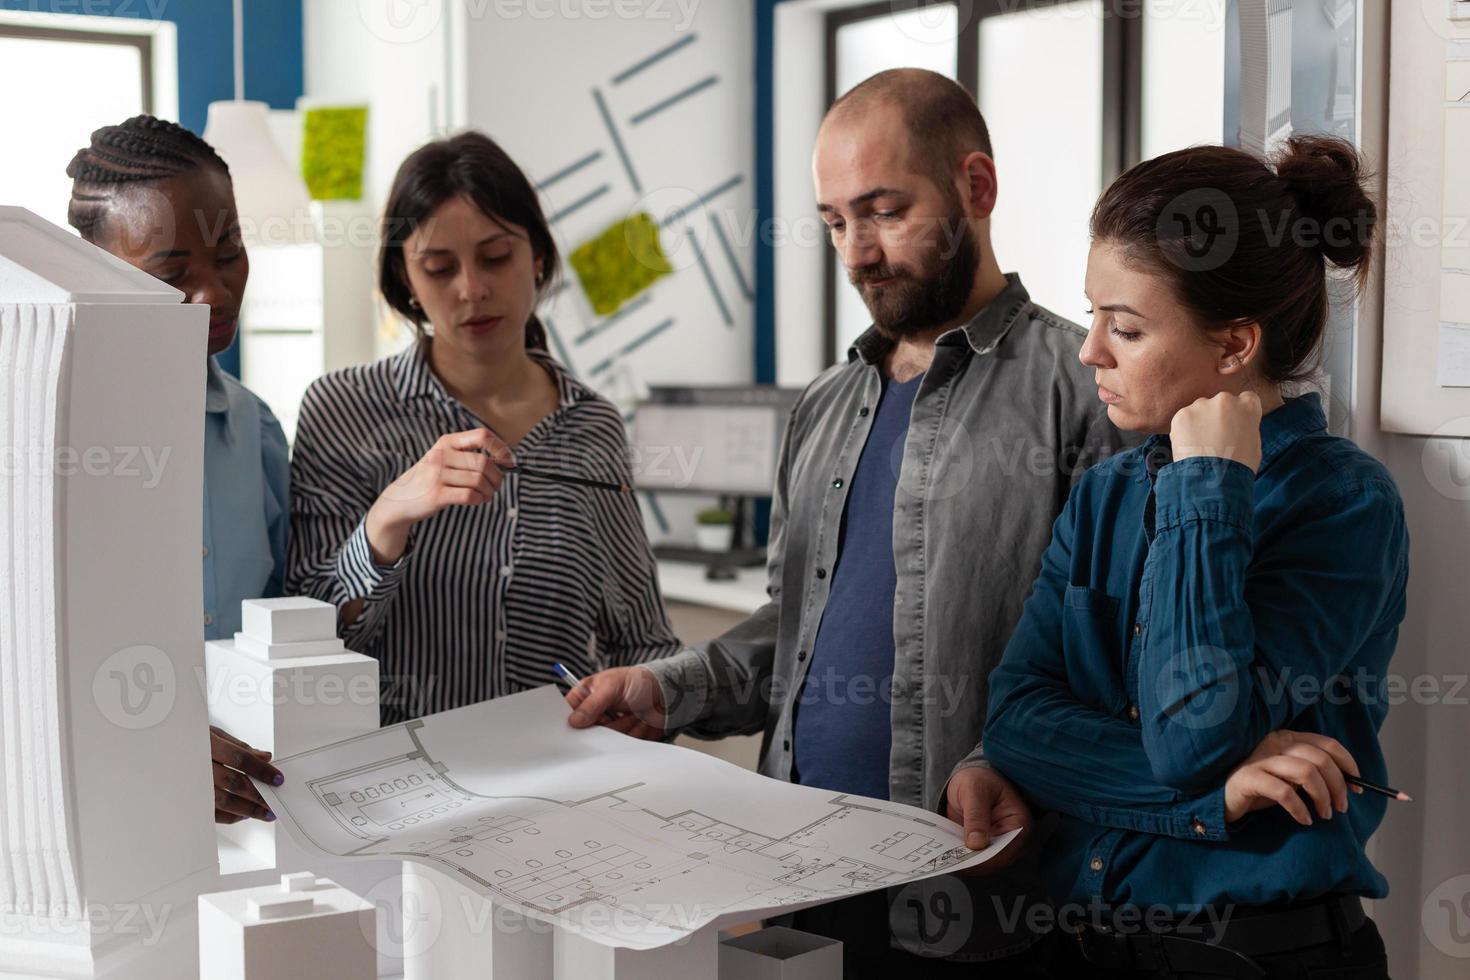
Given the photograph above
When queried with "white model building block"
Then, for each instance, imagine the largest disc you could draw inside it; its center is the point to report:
(1265, 74)
(451, 931)
(778, 953)
(261, 650)
(578, 958)
(104, 757)
(304, 927)
(293, 619)
(284, 705)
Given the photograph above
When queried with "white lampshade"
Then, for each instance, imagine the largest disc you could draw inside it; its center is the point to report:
(274, 206)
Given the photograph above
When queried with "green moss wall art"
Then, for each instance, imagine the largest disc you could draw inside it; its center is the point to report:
(333, 148)
(621, 262)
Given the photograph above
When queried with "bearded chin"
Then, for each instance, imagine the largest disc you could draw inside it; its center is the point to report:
(934, 297)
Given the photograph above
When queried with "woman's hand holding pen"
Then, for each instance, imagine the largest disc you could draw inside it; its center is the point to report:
(1285, 764)
(462, 469)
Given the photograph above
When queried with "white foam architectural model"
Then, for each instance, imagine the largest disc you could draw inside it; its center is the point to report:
(452, 930)
(285, 684)
(778, 953)
(303, 927)
(105, 831)
(1265, 74)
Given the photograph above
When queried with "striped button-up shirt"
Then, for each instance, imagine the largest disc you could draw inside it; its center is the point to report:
(487, 598)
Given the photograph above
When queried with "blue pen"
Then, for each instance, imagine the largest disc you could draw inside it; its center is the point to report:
(567, 676)
(571, 680)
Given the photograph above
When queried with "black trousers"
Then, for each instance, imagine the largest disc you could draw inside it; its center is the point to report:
(861, 924)
(1361, 957)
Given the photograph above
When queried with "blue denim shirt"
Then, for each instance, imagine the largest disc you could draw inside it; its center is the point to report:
(1184, 611)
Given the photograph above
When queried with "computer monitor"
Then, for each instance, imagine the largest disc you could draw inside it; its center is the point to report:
(722, 440)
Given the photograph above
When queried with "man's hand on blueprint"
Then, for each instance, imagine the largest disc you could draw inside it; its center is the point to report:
(986, 804)
(625, 699)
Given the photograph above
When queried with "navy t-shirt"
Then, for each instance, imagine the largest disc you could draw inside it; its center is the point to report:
(842, 724)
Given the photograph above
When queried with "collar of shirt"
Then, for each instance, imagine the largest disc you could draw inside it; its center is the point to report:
(982, 333)
(1297, 417)
(415, 379)
(217, 398)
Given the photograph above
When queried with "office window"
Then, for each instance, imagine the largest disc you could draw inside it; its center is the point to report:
(865, 41)
(1046, 125)
(1183, 42)
(61, 85)
(1059, 82)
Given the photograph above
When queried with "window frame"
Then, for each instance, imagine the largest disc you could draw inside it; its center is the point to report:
(1122, 90)
(143, 42)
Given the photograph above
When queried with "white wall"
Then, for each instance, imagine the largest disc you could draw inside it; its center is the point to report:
(527, 79)
(530, 73)
(533, 85)
(1421, 847)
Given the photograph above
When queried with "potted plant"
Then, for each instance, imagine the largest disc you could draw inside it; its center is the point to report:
(715, 529)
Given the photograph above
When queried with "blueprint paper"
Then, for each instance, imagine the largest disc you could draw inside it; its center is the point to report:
(629, 843)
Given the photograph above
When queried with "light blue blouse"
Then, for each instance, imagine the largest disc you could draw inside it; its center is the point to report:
(246, 476)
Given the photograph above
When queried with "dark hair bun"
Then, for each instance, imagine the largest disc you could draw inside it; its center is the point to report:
(1325, 175)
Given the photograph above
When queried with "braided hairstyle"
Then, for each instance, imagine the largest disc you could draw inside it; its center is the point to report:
(141, 150)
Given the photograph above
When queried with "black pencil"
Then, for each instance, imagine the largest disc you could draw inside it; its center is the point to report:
(1388, 791)
(577, 480)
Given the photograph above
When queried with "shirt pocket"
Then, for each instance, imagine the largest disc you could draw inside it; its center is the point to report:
(1089, 631)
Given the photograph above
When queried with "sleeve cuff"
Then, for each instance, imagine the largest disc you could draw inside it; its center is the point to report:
(1204, 488)
(1204, 817)
(683, 680)
(361, 577)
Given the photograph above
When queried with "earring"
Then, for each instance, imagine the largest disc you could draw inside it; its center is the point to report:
(414, 302)
(1236, 360)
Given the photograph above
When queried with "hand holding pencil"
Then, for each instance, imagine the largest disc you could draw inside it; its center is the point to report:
(1288, 766)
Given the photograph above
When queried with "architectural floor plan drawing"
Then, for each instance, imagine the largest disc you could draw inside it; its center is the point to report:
(634, 844)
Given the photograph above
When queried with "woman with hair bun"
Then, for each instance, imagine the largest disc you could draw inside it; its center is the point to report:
(1199, 665)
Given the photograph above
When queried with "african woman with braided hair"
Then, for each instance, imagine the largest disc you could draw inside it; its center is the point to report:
(157, 196)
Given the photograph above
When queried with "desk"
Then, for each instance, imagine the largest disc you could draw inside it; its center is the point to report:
(700, 610)
(684, 582)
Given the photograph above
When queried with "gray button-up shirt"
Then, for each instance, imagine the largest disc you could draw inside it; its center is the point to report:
(1004, 422)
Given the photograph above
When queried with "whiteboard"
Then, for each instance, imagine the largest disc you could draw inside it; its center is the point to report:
(1426, 300)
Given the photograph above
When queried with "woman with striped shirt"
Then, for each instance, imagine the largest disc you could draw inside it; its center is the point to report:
(465, 578)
